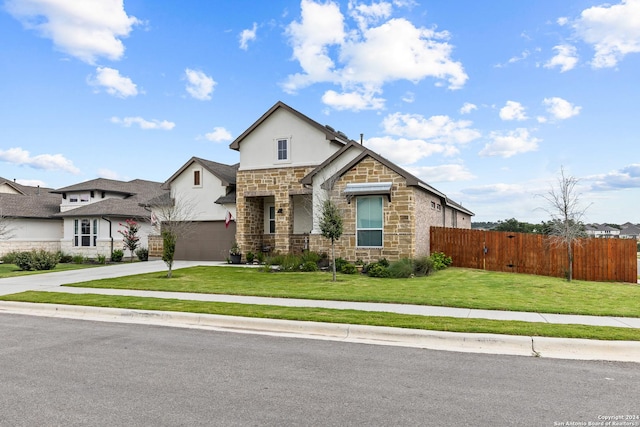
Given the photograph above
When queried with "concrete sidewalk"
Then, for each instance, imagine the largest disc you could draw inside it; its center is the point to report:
(483, 343)
(52, 282)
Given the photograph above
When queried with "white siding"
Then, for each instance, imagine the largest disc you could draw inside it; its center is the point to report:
(201, 198)
(308, 146)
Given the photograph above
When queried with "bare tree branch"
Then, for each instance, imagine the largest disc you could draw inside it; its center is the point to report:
(564, 208)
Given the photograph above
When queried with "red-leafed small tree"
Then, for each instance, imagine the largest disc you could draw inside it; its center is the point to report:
(130, 236)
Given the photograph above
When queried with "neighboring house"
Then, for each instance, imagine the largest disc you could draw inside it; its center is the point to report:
(630, 231)
(206, 191)
(92, 212)
(27, 213)
(290, 163)
(602, 231)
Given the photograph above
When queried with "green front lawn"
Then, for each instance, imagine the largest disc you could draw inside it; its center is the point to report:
(453, 287)
(334, 316)
(10, 270)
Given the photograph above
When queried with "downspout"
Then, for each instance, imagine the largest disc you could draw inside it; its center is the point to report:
(110, 235)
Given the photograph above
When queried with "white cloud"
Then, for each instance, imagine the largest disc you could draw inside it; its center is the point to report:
(561, 109)
(247, 36)
(562, 21)
(113, 82)
(612, 30)
(507, 144)
(143, 124)
(366, 15)
(31, 182)
(468, 107)
(219, 134)
(626, 177)
(86, 30)
(109, 174)
(404, 151)
(199, 85)
(362, 60)
(513, 111)
(354, 101)
(21, 157)
(442, 173)
(440, 129)
(409, 97)
(566, 58)
(495, 191)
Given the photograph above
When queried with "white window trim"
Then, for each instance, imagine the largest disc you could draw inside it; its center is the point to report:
(193, 177)
(78, 235)
(276, 143)
(370, 229)
(267, 217)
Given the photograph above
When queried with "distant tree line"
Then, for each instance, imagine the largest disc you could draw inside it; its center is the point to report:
(515, 226)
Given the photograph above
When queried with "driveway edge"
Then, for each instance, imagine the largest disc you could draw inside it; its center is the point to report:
(560, 348)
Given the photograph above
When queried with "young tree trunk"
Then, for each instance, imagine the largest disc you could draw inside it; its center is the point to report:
(333, 257)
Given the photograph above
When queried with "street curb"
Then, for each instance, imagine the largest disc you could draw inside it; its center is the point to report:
(559, 348)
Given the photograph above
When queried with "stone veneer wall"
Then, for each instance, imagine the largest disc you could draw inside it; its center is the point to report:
(252, 186)
(7, 246)
(399, 222)
(154, 243)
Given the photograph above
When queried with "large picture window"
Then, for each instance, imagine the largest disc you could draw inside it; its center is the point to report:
(369, 222)
(85, 232)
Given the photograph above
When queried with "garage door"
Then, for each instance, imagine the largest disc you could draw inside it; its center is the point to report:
(207, 241)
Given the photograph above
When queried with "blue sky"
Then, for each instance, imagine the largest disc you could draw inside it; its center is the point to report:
(486, 101)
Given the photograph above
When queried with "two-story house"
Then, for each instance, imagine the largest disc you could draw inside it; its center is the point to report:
(93, 211)
(289, 164)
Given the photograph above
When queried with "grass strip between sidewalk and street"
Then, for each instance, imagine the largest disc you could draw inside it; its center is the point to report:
(452, 287)
(333, 316)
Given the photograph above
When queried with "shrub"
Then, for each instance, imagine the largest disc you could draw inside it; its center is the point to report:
(44, 260)
(290, 262)
(440, 261)
(401, 269)
(10, 257)
(260, 257)
(377, 270)
(36, 260)
(116, 255)
(77, 259)
(309, 266)
(250, 257)
(64, 258)
(340, 263)
(349, 268)
(102, 259)
(142, 254)
(422, 266)
(23, 260)
(309, 256)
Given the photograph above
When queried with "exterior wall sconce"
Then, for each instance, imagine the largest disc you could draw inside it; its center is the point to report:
(280, 210)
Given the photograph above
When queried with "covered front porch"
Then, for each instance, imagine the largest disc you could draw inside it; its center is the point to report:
(275, 224)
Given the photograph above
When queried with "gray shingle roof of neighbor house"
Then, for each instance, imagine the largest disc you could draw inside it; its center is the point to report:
(28, 202)
(137, 192)
(136, 187)
(29, 206)
(226, 173)
(24, 189)
(330, 133)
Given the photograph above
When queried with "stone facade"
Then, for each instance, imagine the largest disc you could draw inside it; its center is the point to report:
(252, 187)
(399, 221)
(22, 246)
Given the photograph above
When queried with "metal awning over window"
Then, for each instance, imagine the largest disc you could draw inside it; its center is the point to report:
(367, 189)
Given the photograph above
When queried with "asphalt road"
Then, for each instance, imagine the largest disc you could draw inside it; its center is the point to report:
(68, 372)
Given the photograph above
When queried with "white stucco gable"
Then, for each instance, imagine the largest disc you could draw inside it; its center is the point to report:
(199, 184)
(283, 137)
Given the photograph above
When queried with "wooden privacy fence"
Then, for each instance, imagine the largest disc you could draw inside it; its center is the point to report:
(603, 260)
